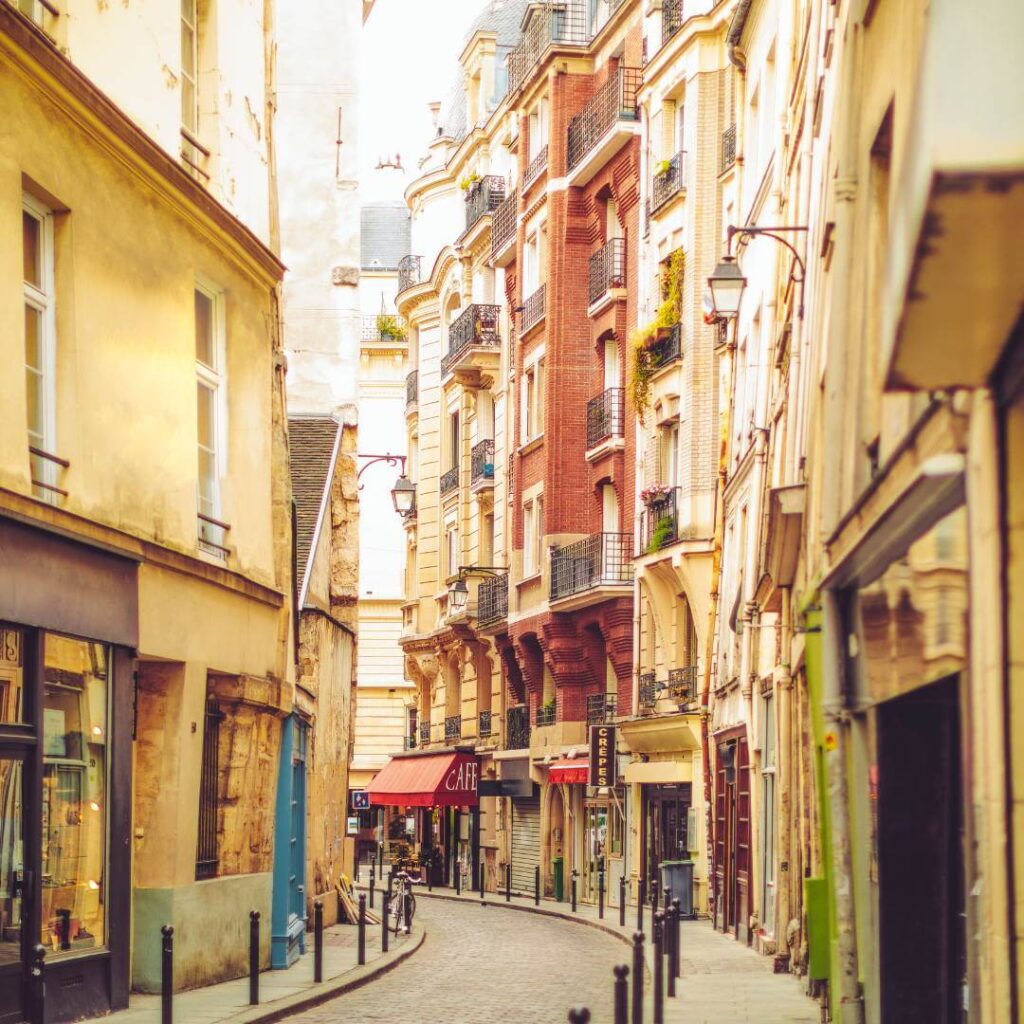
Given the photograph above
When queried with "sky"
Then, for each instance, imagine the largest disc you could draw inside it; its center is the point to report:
(410, 52)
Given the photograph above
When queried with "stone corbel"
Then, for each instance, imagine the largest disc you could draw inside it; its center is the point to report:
(265, 693)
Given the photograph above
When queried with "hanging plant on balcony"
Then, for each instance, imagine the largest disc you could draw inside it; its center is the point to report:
(663, 533)
(662, 167)
(655, 494)
(389, 326)
(468, 181)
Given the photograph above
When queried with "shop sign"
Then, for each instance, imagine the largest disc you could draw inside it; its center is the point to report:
(352, 824)
(602, 756)
(360, 799)
(461, 778)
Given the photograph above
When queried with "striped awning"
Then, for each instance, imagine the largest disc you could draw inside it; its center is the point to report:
(569, 769)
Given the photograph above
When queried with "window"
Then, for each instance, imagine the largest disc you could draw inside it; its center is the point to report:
(534, 253)
(538, 128)
(40, 345)
(453, 439)
(206, 850)
(609, 509)
(533, 536)
(668, 450)
(37, 10)
(193, 153)
(451, 545)
(209, 333)
(532, 401)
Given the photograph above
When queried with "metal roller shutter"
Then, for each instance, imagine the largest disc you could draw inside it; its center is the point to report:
(525, 843)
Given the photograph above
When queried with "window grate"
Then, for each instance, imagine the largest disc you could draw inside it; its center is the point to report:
(503, 224)
(482, 461)
(607, 268)
(668, 183)
(605, 416)
(492, 600)
(614, 101)
(206, 852)
(728, 147)
(534, 309)
(600, 560)
(483, 197)
(412, 389)
(408, 272)
(453, 728)
(517, 727)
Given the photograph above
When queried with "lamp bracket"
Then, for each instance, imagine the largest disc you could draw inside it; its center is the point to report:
(749, 231)
(482, 570)
(387, 458)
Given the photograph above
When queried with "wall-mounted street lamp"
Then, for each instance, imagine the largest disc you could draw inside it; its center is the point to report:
(403, 494)
(727, 282)
(458, 592)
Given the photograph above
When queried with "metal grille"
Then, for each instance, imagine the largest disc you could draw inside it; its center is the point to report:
(608, 268)
(614, 101)
(547, 714)
(424, 733)
(682, 684)
(412, 388)
(669, 182)
(484, 196)
(667, 348)
(671, 19)
(728, 147)
(659, 523)
(492, 600)
(600, 708)
(596, 561)
(517, 727)
(536, 167)
(647, 692)
(408, 272)
(563, 22)
(449, 481)
(503, 224)
(484, 720)
(605, 416)
(452, 728)
(476, 325)
(482, 461)
(206, 851)
(534, 309)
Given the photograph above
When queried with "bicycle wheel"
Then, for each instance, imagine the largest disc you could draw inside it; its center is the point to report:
(412, 909)
(395, 911)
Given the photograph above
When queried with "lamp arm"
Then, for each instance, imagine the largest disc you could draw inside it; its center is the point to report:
(483, 570)
(751, 231)
(388, 459)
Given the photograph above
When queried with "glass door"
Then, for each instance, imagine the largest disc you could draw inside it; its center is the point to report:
(595, 854)
(13, 893)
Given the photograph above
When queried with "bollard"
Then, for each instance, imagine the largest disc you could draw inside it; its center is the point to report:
(677, 920)
(670, 945)
(166, 974)
(600, 890)
(638, 977)
(667, 898)
(373, 865)
(575, 875)
(318, 941)
(430, 876)
(38, 993)
(380, 861)
(622, 901)
(391, 882)
(580, 1015)
(536, 886)
(659, 969)
(483, 876)
(508, 883)
(373, 875)
(641, 898)
(653, 893)
(620, 993)
(254, 958)
(361, 959)
(666, 943)
(458, 879)
(384, 915)
(355, 872)
(407, 910)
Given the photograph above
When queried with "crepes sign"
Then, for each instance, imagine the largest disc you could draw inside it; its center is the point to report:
(602, 755)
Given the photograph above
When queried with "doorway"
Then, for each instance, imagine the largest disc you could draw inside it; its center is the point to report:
(595, 849)
(14, 949)
(732, 836)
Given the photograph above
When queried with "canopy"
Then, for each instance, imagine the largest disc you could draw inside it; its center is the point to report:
(433, 780)
(569, 769)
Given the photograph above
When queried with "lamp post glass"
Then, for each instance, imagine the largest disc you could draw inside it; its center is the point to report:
(403, 494)
(458, 595)
(727, 284)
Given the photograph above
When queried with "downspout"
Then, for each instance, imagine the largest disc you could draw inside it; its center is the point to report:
(784, 882)
(732, 41)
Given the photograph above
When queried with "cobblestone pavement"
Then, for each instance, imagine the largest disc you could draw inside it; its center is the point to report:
(541, 966)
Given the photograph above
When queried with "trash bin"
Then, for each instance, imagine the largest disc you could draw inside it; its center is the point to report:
(558, 870)
(678, 875)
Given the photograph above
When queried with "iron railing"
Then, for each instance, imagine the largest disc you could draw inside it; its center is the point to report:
(412, 388)
(668, 182)
(424, 733)
(476, 325)
(605, 416)
(483, 197)
(503, 223)
(453, 728)
(534, 309)
(408, 272)
(614, 101)
(607, 268)
(682, 684)
(647, 692)
(209, 787)
(484, 724)
(449, 481)
(536, 167)
(659, 523)
(517, 727)
(600, 708)
(671, 19)
(546, 714)
(492, 600)
(728, 147)
(666, 348)
(481, 461)
(600, 560)
(555, 23)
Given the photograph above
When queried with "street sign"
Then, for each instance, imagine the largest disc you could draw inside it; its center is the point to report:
(360, 800)
(602, 755)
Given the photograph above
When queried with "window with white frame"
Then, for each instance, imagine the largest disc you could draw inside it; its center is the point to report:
(451, 544)
(533, 259)
(210, 418)
(538, 127)
(40, 345)
(193, 153)
(531, 397)
(668, 451)
(533, 535)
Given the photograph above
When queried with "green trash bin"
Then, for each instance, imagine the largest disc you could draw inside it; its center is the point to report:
(558, 870)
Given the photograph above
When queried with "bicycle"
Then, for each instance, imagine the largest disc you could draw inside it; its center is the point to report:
(403, 904)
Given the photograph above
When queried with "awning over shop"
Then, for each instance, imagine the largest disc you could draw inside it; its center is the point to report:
(659, 771)
(434, 780)
(569, 769)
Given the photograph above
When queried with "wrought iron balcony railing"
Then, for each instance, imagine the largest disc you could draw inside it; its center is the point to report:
(449, 481)
(481, 462)
(409, 742)
(517, 727)
(483, 197)
(412, 388)
(605, 416)
(424, 733)
(484, 724)
(671, 19)
(534, 309)
(728, 147)
(546, 714)
(666, 348)
(536, 167)
(647, 692)
(408, 272)
(668, 182)
(553, 24)
(607, 268)
(453, 728)
(503, 223)
(659, 523)
(600, 560)
(614, 101)
(476, 325)
(682, 684)
(600, 708)
(492, 600)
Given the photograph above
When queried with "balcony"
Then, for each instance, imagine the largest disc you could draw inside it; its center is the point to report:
(647, 693)
(592, 569)
(481, 462)
(449, 481)
(483, 197)
(604, 125)
(600, 708)
(728, 148)
(492, 601)
(605, 417)
(607, 269)
(682, 685)
(671, 19)
(484, 724)
(408, 272)
(503, 230)
(474, 344)
(680, 691)
(412, 390)
(546, 714)
(668, 182)
(659, 523)
(453, 729)
(563, 24)
(666, 348)
(534, 309)
(424, 733)
(517, 727)
(536, 167)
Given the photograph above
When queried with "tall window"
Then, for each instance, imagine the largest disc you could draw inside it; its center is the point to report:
(209, 775)
(451, 544)
(533, 535)
(193, 153)
(532, 401)
(40, 343)
(538, 128)
(209, 331)
(453, 439)
(768, 812)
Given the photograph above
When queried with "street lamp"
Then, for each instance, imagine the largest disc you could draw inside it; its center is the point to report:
(403, 494)
(458, 592)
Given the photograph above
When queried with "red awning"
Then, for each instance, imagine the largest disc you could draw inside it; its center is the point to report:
(434, 780)
(569, 769)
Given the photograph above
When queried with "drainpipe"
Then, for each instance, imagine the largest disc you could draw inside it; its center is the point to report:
(785, 896)
(732, 41)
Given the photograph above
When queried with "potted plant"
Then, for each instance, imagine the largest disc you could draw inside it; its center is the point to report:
(662, 167)
(467, 181)
(663, 533)
(389, 326)
(655, 494)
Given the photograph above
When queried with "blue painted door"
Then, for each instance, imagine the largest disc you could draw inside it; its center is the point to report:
(288, 931)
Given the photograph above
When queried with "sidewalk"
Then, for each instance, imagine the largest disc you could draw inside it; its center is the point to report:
(282, 992)
(721, 982)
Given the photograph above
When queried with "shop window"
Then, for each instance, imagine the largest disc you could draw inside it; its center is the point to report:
(74, 827)
(206, 852)
(12, 644)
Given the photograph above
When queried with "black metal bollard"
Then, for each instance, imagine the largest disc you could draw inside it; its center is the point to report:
(666, 942)
(254, 958)
(580, 1015)
(384, 915)
(667, 898)
(600, 890)
(653, 893)
(670, 943)
(536, 886)
(166, 974)
(677, 920)
(620, 993)
(641, 899)
(318, 941)
(458, 879)
(380, 861)
(38, 991)
(508, 883)
(373, 876)
(483, 879)
(659, 969)
(638, 977)
(373, 865)
(575, 875)
(355, 870)
(391, 882)
(622, 901)
(361, 959)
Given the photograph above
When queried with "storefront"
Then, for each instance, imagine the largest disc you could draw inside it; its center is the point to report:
(68, 631)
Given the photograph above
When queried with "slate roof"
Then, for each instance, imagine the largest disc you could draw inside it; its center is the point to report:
(312, 445)
(385, 235)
